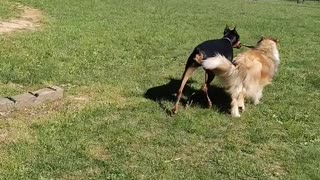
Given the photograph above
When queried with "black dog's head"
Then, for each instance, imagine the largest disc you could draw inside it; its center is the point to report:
(232, 36)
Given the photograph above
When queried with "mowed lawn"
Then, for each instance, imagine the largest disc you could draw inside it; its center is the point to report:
(120, 62)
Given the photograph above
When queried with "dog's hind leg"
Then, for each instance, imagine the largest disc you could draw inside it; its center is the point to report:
(186, 75)
(208, 79)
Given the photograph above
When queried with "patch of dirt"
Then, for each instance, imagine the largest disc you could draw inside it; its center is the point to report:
(29, 19)
(17, 125)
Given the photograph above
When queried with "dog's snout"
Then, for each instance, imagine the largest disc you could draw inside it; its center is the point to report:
(238, 45)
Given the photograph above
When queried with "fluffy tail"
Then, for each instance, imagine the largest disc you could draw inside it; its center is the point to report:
(216, 62)
(225, 70)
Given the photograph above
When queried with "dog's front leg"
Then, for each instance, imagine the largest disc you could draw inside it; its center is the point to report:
(235, 106)
(257, 97)
(241, 102)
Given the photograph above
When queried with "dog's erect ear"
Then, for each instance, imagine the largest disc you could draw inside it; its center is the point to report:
(226, 30)
(234, 29)
(261, 39)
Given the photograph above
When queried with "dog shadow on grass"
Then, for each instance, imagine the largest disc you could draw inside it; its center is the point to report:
(191, 96)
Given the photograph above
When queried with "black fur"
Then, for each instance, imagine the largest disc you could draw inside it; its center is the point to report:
(221, 46)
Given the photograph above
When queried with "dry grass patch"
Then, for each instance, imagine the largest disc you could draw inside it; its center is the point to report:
(98, 152)
(29, 19)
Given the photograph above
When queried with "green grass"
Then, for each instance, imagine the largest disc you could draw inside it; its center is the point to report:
(108, 54)
(7, 9)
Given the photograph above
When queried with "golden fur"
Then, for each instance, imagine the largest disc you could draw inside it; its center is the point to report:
(249, 73)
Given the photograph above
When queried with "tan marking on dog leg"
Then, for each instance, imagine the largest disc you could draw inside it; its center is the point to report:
(186, 75)
(198, 58)
(208, 79)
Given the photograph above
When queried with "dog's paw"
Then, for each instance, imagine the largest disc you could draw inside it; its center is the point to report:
(256, 102)
(173, 112)
(235, 112)
(236, 115)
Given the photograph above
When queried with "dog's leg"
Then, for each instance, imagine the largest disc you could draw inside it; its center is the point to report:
(257, 97)
(209, 76)
(235, 106)
(186, 75)
(241, 102)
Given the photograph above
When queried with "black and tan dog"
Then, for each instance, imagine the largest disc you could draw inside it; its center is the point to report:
(207, 49)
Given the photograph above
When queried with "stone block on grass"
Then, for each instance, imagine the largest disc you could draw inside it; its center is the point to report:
(6, 104)
(23, 101)
(48, 94)
(30, 99)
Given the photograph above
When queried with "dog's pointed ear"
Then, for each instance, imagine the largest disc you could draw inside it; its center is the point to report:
(261, 38)
(226, 30)
(234, 29)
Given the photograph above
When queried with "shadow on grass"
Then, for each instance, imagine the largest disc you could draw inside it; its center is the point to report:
(167, 92)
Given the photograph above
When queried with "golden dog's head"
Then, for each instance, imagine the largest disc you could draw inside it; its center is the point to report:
(267, 44)
(268, 40)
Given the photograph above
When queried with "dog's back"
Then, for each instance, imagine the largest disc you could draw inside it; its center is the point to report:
(217, 46)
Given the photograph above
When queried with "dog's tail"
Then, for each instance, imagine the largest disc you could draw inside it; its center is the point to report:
(226, 71)
(217, 62)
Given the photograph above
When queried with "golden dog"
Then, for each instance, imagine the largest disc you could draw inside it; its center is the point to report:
(248, 74)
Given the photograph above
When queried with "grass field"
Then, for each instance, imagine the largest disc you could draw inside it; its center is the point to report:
(7, 9)
(120, 62)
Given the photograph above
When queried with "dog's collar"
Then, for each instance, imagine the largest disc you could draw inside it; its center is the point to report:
(231, 42)
(228, 39)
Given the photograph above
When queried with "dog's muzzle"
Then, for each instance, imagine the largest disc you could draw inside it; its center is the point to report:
(237, 45)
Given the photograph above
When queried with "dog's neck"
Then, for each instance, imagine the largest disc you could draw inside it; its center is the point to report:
(225, 37)
(276, 58)
(231, 40)
(272, 52)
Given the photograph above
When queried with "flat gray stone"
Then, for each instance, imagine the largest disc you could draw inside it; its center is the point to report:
(6, 104)
(30, 99)
(23, 101)
(49, 94)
